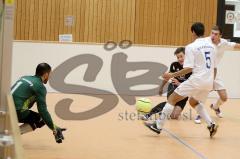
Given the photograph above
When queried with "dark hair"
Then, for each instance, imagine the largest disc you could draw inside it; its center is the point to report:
(42, 68)
(198, 29)
(217, 28)
(178, 50)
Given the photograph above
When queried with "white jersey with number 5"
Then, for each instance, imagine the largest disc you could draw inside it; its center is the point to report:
(223, 46)
(200, 56)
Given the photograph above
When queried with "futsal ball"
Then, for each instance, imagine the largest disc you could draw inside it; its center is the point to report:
(143, 105)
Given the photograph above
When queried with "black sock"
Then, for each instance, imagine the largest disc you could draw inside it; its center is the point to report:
(158, 108)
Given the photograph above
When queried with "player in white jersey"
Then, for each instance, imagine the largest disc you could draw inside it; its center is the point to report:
(200, 60)
(221, 46)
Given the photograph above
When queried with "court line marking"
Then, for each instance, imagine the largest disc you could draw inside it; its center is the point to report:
(184, 143)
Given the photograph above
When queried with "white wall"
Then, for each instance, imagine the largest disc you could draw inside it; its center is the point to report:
(27, 55)
(232, 2)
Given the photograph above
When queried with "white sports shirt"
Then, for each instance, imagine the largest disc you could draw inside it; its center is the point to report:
(221, 47)
(200, 56)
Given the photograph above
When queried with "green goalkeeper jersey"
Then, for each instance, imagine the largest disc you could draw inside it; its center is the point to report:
(28, 90)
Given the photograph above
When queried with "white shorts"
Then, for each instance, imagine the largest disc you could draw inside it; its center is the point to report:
(218, 84)
(187, 89)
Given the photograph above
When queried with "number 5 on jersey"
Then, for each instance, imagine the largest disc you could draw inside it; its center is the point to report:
(208, 60)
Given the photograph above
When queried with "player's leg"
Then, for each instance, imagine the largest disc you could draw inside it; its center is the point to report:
(222, 99)
(196, 103)
(219, 87)
(198, 106)
(176, 112)
(197, 120)
(31, 121)
(178, 108)
(181, 92)
(25, 128)
(167, 110)
(158, 108)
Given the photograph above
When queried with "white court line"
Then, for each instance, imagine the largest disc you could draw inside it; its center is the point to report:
(185, 144)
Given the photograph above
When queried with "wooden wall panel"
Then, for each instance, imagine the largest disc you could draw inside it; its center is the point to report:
(31, 20)
(48, 19)
(53, 19)
(27, 19)
(35, 20)
(177, 18)
(23, 20)
(150, 22)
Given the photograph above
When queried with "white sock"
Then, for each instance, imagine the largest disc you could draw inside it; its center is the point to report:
(204, 114)
(167, 110)
(217, 104)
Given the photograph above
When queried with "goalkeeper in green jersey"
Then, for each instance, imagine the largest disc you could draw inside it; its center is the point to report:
(28, 90)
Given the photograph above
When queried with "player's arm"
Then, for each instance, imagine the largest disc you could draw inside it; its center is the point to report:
(232, 45)
(182, 72)
(42, 109)
(164, 82)
(42, 106)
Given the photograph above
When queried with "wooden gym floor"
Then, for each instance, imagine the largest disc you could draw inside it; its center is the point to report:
(114, 135)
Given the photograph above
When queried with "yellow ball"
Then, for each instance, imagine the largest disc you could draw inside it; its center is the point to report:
(144, 105)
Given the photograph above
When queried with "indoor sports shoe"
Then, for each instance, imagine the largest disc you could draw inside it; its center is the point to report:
(153, 127)
(144, 117)
(217, 111)
(198, 119)
(212, 129)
